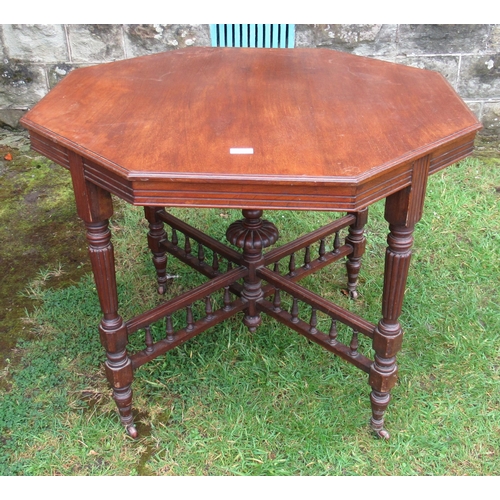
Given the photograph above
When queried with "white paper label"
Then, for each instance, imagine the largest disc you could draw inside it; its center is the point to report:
(241, 151)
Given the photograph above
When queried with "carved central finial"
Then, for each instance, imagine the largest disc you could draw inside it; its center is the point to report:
(252, 233)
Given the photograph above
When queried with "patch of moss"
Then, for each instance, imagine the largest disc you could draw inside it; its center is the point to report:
(38, 229)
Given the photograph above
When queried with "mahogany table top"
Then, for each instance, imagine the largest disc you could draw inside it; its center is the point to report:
(266, 128)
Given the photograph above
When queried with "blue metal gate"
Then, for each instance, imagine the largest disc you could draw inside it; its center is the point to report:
(253, 35)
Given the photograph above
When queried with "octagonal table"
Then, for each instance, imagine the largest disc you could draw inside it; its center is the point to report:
(255, 129)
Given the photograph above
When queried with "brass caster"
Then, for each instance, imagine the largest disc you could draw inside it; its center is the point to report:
(383, 434)
(377, 426)
(132, 431)
(162, 289)
(353, 294)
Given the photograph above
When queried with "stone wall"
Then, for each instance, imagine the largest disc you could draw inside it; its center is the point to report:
(35, 57)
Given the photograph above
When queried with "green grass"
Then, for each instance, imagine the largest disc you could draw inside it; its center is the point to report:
(270, 403)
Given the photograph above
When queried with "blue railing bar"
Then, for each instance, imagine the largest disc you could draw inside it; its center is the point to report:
(291, 36)
(222, 35)
(244, 38)
(213, 34)
(275, 39)
(282, 35)
(237, 35)
(267, 35)
(253, 29)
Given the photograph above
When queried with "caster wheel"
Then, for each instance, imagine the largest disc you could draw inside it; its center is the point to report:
(132, 431)
(383, 434)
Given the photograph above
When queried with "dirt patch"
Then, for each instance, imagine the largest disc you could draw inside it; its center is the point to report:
(40, 235)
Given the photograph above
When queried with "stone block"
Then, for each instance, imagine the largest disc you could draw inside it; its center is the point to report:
(491, 121)
(442, 38)
(142, 39)
(476, 107)
(11, 117)
(3, 53)
(493, 44)
(95, 43)
(21, 84)
(57, 72)
(35, 42)
(446, 65)
(480, 76)
(360, 39)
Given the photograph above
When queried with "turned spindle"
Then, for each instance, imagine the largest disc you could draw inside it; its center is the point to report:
(333, 332)
(295, 311)
(313, 323)
(189, 318)
(208, 308)
(201, 253)
(169, 329)
(148, 339)
(307, 258)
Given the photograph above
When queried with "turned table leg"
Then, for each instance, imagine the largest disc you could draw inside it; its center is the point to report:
(155, 235)
(388, 335)
(402, 210)
(113, 333)
(356, 238)
(94, 206)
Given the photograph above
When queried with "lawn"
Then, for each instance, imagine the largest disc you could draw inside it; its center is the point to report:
(231, 402)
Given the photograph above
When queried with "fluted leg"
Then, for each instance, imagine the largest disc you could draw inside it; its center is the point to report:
(155, 235)
(356, 238)
(388, 336)
(403, 209)
(112, 330)
(95, 207)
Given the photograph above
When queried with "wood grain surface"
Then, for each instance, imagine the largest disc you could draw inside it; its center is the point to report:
(152, 127)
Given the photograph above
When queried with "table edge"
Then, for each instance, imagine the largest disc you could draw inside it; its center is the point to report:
(247, 178)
